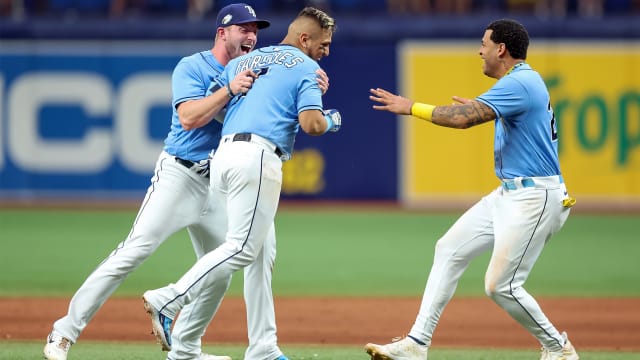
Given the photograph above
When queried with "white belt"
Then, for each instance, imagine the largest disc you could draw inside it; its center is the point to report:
(539, 182)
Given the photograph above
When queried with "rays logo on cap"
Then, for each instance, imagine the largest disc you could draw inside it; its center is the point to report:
(240, 13)
(250, 10)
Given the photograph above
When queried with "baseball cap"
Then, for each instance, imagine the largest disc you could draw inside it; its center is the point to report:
(239, 13)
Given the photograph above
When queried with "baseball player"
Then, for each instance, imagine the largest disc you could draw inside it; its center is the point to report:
(177, 199)
(258, 134)
(516, 219)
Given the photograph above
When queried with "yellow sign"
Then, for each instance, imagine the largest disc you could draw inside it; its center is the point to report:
(303, 174)
(595, 93)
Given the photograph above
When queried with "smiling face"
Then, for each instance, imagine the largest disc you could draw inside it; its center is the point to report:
(490, 53)
(240, 39)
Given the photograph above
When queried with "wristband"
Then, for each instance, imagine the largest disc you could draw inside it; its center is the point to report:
(329, 123)
(423, 111)
(229, 92)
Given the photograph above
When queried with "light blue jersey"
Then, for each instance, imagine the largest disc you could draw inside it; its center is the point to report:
(270, 109)
(190, 81)
(525, 142)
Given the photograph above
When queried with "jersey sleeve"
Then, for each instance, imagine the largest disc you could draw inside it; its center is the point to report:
(508, 98)
(186, 83)
(220, 81)
(309, 94)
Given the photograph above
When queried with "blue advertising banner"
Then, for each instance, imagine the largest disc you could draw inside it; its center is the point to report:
(88, 120)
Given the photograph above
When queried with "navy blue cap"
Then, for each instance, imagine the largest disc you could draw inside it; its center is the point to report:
(239, 13)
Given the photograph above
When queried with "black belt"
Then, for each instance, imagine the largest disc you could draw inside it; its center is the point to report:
(247, 137)
(188, 164)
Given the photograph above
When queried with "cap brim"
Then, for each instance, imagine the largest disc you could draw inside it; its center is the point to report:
(263, 24)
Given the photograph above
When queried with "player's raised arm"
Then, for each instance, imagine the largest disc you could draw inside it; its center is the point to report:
(460, 116)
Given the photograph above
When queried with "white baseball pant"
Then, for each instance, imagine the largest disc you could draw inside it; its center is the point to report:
(247, 177)
(515, 225)
(178, 198)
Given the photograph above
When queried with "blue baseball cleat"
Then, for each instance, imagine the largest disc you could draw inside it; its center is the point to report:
(160, 326)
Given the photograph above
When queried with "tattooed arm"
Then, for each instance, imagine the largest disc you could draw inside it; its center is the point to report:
(461, 116)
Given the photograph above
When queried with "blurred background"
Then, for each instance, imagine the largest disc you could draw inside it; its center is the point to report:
(85, 97)
(198, 9)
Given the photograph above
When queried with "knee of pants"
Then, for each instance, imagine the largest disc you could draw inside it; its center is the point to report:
(490, 290)
(250, 254)
(494, 285)
(495, 294)
(246, 256)
(441, 249)
(448, 251)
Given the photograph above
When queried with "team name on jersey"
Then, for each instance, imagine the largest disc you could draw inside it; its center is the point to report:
(284, 58)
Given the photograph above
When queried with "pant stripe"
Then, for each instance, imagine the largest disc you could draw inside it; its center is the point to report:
(516, 271)
(255, 207)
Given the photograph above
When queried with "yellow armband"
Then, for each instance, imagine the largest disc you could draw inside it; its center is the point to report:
(423, 111)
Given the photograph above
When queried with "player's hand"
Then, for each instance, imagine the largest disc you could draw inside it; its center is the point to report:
(390, 102)
(333, 118)
(242, 82)
(323, 81)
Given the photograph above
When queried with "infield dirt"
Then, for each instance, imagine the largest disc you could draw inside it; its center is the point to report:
(603, 324)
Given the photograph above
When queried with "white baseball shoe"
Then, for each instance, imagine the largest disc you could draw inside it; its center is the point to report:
(160, 325)
(56, 348)
(204, 356)
(399, 349)
(568, 352)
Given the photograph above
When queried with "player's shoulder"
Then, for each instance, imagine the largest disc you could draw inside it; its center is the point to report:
(201, 59)
(187, 62)
(191, 58)
(514, 81)
(526, 79)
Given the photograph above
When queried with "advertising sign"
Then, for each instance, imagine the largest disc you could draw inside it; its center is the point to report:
(595, 94)
(87, 120)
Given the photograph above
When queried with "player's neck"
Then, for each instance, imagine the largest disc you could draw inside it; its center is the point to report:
(515, 64)
(221, 55)
(510, 66)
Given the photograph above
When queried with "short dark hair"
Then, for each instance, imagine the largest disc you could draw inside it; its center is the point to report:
(325, 21)
(513, 34)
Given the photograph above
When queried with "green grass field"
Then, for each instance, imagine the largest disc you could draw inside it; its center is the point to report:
(320, 252)
(134, 351)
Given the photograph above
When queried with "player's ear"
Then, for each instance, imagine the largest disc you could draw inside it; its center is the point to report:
(304, 39)
(220, 33)
(502, 48)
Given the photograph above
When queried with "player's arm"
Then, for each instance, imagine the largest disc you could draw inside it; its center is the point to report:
(315, 122)
(460, 116)
(197, 113)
